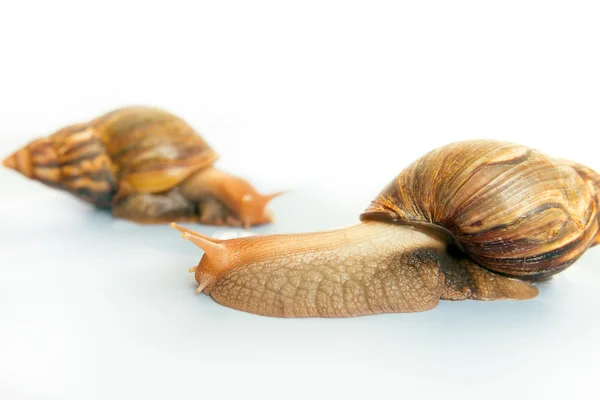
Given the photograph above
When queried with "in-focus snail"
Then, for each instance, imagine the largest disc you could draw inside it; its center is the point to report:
(469, 220)
(145, 164)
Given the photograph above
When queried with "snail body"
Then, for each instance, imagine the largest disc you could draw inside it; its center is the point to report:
(469, 220)
(146, 165)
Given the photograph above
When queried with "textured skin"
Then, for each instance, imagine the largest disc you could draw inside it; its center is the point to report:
(339, 288)
(370, 268)
(466, 280)
(512, 209)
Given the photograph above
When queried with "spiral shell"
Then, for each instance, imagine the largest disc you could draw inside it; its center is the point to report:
(152, 149)
(73, 159)
(142, 149)
(512, 209)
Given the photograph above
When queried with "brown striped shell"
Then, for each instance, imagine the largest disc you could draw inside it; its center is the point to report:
(153, 150)
(142, 149)
(512, 209)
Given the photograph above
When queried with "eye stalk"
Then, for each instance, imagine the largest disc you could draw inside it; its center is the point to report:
(217, 257)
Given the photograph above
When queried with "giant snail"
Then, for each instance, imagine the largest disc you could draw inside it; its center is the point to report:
(146, 165)
(469, 220)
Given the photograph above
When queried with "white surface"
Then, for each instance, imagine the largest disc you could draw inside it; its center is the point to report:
(94, 308)
(330, 99)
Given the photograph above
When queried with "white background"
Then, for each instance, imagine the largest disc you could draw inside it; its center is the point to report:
(331, 100)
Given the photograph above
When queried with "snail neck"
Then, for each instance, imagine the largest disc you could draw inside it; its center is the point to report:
(234, 192)
(366, 238)
(213, 182)
(354, 245)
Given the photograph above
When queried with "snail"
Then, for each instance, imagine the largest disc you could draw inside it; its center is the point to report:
(478, 219)
(144, 164)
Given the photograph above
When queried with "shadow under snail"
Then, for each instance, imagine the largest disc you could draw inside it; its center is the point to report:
(469, 220)
(146, 165)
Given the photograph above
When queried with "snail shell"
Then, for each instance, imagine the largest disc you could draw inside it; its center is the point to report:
(513, 209)
(146, 165)
(470, 220)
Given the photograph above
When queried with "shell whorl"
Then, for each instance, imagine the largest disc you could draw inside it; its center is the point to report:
(73, 159)
(592, 179)
(153, 150)
(512, 209)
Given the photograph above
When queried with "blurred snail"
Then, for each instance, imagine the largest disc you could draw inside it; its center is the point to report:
(145, 164)
(469, 220)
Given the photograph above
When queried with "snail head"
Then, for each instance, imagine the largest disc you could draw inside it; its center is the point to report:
(253, 208)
